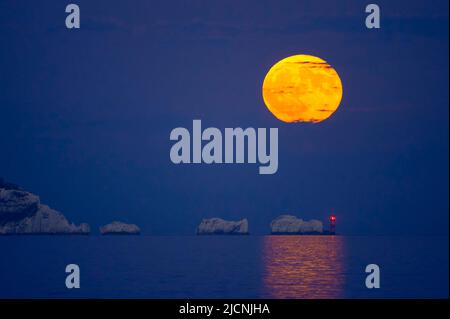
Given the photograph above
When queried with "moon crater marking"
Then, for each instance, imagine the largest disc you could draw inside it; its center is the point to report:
(302, 88)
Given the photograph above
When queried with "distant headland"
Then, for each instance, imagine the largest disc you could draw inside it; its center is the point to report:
(22, 213)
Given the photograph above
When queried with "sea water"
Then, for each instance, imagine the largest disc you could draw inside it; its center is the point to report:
(223, 266)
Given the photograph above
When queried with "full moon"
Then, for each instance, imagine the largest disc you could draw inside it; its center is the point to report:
(302, 88)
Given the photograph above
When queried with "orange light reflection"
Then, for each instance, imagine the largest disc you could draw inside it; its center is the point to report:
(304, 267)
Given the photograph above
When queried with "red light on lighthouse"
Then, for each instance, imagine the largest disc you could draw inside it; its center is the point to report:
(333, 224)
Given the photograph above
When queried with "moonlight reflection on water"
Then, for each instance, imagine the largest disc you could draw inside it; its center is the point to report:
(304, 266)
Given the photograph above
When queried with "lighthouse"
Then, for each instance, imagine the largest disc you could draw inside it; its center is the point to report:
(333, 224)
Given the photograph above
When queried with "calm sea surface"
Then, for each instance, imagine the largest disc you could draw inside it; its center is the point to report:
(223, 266)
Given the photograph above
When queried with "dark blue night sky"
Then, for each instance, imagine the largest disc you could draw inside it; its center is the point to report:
(85, 115)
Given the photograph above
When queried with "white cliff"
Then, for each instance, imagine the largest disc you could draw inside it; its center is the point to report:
(22, 213)
(218, 226)
(119, 228)
(288, 224)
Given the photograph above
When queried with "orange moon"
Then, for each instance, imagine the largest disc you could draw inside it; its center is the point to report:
(302, 88)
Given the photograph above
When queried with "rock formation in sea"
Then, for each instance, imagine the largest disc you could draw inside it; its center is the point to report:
(288, 224)
(218, 226)
(6, 185)
(22, 213)
(119, 228)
